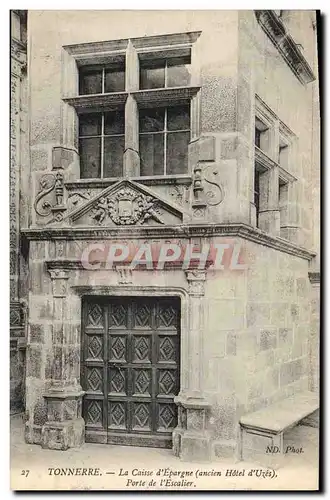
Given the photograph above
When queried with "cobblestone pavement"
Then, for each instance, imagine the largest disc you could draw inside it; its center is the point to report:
(299, 472)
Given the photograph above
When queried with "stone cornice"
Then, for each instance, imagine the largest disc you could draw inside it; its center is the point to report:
(180, 231)
(276, 30)
(101, 101)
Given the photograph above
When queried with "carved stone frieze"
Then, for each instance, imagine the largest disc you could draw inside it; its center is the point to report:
(180, 194)
(76, 198)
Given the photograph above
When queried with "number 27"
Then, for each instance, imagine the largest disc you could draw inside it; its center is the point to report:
(25, 473)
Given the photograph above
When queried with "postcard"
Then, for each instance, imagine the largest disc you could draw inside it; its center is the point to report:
(164, 250)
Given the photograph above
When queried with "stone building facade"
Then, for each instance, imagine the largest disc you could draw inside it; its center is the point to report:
(189, 128)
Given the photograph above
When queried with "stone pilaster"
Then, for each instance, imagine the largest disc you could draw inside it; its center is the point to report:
(64, 427)
(191, 440)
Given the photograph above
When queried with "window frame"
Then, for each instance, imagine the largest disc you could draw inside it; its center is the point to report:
(266, 163)
(133, 98)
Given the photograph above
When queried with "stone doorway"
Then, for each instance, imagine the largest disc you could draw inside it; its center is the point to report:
(130, 369)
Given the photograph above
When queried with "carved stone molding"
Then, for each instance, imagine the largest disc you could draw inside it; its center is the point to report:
(276, 30)
(181, 231)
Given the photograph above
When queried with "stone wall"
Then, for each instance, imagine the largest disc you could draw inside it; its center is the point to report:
(256, 339)
(19, 169)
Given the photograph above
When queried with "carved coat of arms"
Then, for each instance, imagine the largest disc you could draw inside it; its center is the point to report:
(127, 207)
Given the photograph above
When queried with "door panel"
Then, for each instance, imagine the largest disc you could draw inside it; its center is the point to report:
(130, 369)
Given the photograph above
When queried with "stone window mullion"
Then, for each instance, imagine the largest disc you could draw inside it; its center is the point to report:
(131, 153)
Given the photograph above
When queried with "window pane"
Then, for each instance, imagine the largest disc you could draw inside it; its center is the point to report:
(152, 120)
(178, 72)
(152, 75)
(178, 118)
(114, 123)
(177, 153)
(90, 124)
(114, 80)
(113, 156)
(90, 82)
(152, 154)
(90, 158)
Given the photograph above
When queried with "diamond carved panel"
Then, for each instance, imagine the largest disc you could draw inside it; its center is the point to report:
(117, 348)
(94, 413)
(94, 347)
(117, 415)
(118, 316)
(166, 349)
(141, 348)
(141, 416)
(142, 380)
(95, 315)
(167, 382)
(167, 316)
(94, 379)
(117, 380)
(166, 416)
(143, 316)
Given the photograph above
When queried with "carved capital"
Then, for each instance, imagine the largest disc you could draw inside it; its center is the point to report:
(124, 275)
(196, 281)
(59, 279)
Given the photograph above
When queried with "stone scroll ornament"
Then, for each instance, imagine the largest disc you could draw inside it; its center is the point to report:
(127, 207)
(48, 183)
(213, 190)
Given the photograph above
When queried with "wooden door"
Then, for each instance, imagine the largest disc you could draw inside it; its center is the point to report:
(130, 369)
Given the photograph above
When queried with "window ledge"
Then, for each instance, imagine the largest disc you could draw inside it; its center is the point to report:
(266, 163)
(274, 27)
(173, 95)
(146, 180)
(111, 101)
